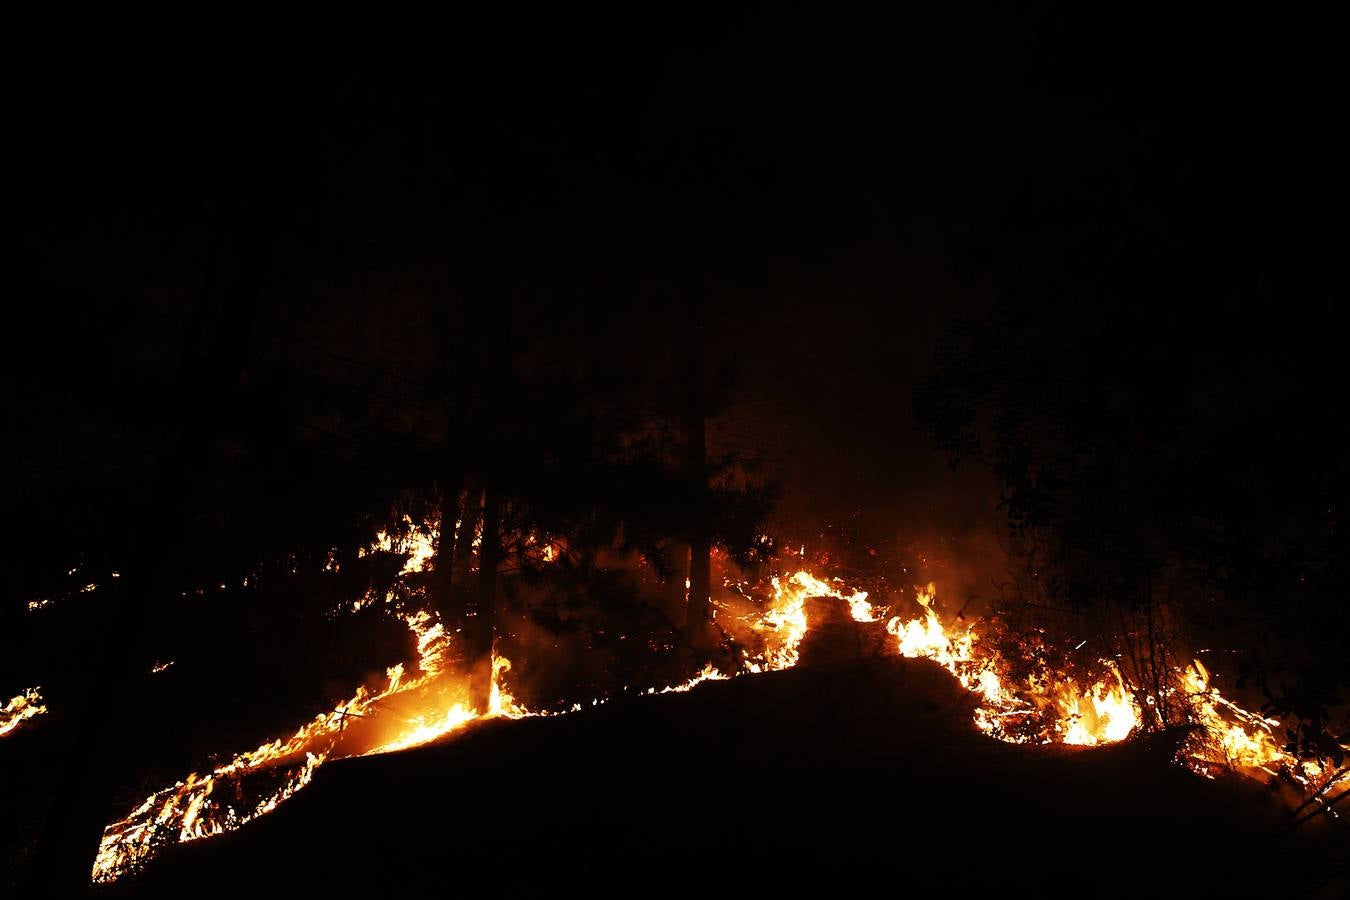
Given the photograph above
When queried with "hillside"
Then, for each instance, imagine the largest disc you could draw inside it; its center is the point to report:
(840, 775)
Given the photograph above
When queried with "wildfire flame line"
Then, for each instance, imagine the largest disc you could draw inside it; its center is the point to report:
(1049, 710)
(195, 807)
(192, 809)
(1228, 737)
(1032, 710)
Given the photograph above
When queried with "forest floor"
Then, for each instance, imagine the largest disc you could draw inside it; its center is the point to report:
(837, 775)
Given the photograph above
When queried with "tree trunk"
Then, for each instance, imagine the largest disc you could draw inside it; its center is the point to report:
(473, 506)
(696, 469)
(700, 587)
(447, 547)
(484, 626)
(674, 596)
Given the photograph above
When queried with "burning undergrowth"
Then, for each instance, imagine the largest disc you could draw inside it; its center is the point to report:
(19, 709)
(1023, 689)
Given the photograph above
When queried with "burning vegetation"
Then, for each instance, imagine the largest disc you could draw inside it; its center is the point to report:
(763, 626)
(20, 709)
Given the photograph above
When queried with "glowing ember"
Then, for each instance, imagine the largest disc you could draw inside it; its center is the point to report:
(20, 709)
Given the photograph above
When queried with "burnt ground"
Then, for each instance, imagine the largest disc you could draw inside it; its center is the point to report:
(834, 775)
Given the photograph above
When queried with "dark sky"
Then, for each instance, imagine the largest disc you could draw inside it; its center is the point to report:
(835, 180)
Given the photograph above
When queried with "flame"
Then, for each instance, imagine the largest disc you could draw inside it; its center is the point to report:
(708, 673)
(190, 809)
(426, 728)
(199, 806)
(1040, 711)
(414, 709)
(20, 709)
(1103, 714)
(418, 543)
(783, 625)
(927, 638)
(1058, 710)
(500, 701)
(1230, 734)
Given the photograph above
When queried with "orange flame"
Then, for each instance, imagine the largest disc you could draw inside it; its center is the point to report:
(1228, 738)
(1230, 734)
(193, 808)
(433, 704)
(190, 810)
(784, 623)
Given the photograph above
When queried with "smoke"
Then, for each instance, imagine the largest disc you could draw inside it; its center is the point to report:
(590, 633)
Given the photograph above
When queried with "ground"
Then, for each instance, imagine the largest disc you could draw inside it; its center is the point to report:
(838, 775)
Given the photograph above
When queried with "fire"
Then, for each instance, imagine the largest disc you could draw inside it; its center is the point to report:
(500, 702)
(418, 543)
(416, 707)
(194, 808)
(1230, 734)
(708, 673)
(1039, 710)
(425, 729)
(1103, 714)
(784, 623)
(20, 709)
(1060, 711)
(428, 704)
(926, 637)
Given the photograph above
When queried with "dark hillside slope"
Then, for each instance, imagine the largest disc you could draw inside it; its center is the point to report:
(839, 777)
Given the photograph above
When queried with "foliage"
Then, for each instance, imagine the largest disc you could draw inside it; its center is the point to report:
(1163, 431)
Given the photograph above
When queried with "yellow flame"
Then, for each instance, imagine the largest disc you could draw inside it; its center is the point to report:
(194, 808)
(500, 702)
(20, 709)
(1100, 714)
(1103, 714)
(432, 703)
(419, 543)
(188, 810)
(784, 625)
(425, 729)
(1061, 711)
(708, 673)
(1230, 735)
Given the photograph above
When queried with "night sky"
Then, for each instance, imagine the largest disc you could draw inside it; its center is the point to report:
(839, 186)
(842, 185)
(841, 175)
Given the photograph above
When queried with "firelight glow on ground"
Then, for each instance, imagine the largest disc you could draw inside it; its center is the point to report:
(426, 701)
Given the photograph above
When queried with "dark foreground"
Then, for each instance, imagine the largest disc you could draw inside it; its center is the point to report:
(837, 778)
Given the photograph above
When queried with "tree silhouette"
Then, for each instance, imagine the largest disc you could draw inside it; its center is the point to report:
(1160, 427)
